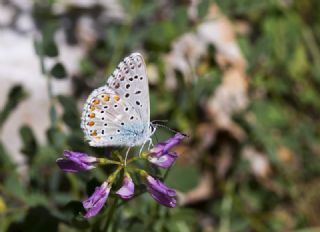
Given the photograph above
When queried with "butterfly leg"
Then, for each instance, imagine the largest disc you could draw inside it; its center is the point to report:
(150, 143)
(141, 148)
(127, 153)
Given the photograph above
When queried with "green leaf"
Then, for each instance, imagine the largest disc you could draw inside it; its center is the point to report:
(71, 114)
(16, 95)
(5, 160)
(29, 141)
(56, 137)
(58, 71)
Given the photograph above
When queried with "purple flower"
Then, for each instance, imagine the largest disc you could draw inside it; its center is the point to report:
(127, 190)
(95, 203)
(163, 147)
(76, 162)
(164, 161)
(161, 193)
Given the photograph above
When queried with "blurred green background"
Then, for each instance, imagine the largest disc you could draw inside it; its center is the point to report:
(242, 78)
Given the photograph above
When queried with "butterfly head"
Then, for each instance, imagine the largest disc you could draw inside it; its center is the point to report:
(152, 128)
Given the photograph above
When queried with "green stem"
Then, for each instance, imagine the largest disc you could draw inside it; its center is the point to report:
(52, 109)
(141, 172)
(103, 161)
(166, 173)
(119, 157)
(133, 159)
(113, 176)
(110, 214)
(154, 216)
(144, 156)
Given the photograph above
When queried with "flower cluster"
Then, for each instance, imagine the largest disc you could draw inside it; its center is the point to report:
(159, 155)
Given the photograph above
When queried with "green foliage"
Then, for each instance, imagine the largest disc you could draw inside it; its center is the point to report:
(15, 96)
(58, 71)
(30, 145)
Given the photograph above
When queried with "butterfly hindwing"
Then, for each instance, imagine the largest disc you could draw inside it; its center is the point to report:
(108, 120)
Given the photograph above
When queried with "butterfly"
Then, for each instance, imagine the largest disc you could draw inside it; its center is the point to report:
(118, 113)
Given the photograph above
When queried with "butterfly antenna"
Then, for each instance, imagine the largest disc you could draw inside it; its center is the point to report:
(153, 122)
(168, 128)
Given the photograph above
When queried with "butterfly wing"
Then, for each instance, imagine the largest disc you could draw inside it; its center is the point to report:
(118, 114)
(130, 81)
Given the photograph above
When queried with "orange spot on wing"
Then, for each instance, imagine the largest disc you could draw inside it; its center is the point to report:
(92, 115)
(94, 133)
(116, 98)
(96, 101)
(91, 123)
(106, 98)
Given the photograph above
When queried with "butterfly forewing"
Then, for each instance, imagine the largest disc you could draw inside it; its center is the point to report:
(130, 81)
(118, 114)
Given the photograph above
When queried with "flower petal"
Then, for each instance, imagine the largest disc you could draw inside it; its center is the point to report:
(94, 204)
(127, 190)
(169, 202)
(76, 162)
(164, 161)
(163, 147)
(174, 141)
(70, 166)
(79, 157)
(160, 192)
